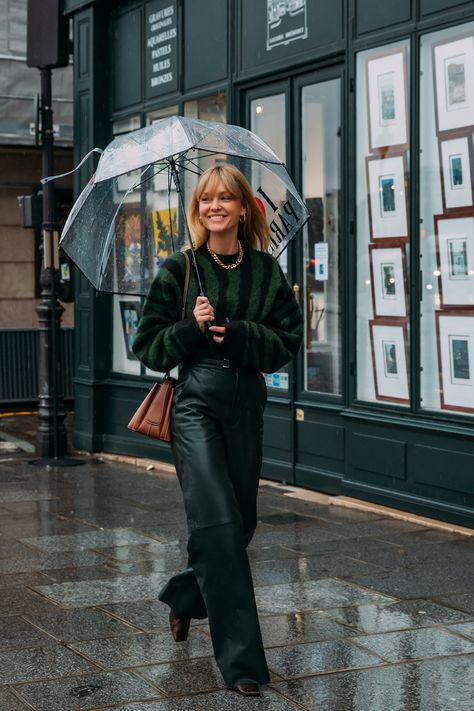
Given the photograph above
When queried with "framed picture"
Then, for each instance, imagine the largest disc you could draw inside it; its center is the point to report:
(389, 342)
(453, 64)
(388, 279)
(130, 313)
(455, 255)
(387, 196)
(387, 99)
(455, 334)
(456, 172)
(129, 257)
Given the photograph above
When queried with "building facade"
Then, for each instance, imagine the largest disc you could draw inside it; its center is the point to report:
(371, 106)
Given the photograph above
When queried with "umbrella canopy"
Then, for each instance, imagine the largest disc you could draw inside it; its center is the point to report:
(124, 223)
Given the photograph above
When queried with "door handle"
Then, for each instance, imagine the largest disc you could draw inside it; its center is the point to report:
(297, 292)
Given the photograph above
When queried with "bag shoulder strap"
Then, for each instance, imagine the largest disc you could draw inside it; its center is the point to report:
(186, 285)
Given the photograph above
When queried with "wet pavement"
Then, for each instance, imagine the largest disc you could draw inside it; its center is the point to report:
(359, 611)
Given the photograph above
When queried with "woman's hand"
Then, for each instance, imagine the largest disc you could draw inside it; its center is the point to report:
(220, 330)
(203, 312)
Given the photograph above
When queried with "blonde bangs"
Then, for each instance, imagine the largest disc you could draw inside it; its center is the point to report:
(209, 182)
(255, 229)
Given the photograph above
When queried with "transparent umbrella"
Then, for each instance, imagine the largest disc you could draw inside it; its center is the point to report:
(131, 214)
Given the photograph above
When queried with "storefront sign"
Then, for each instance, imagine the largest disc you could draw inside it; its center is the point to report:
(161, 47)
(286, 21)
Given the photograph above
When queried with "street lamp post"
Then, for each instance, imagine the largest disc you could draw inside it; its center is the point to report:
(51, 442)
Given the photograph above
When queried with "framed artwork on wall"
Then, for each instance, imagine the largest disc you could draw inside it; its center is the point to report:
(130, 313)
(129, 258)
(453, 64)
(388, 279)
(455, 255)
(389, 341)
(387, 196)
(387, 99)
(456, 160)
(455, 335)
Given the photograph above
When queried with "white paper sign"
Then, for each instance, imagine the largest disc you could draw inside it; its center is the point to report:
(321, 261)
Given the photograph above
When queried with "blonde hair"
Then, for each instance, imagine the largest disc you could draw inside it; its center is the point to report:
(255, 228)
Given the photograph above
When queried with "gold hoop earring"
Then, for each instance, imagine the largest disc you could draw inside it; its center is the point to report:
(242, 218)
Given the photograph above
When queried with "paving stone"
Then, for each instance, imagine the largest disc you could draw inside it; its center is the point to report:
(424, 581)
(23, 494)
(24, 579)
(309, 568)
(9, 702)
(398, 616)
(383, 528)
(41, 561)
(396, 557)
(430, 685)
(415, 644)
(148, 615)
(464, 602)
(102, 592)
(136, 650)
(318, 657)
(91, 539)
(86, 692)
(284, 518)
(182, 678)
(14, 549)
(46, 662)
(75, 625)
(464, 628)
(299, 628)
(291, 536)
(17, 633)
(86, 573)
(313, 595)
(217, 701)
(146, 551)
(18, 601)
(22, 528)
(271, 553)
(359, 548)
(149, 567)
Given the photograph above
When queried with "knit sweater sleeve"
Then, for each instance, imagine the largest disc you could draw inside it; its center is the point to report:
(269, 345)
(163, 339)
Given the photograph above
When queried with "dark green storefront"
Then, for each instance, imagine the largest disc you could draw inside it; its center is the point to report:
(371, 105)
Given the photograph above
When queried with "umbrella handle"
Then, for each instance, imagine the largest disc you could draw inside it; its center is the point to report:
(175, 175)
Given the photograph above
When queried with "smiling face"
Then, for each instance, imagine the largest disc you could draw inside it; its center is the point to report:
(220, 211)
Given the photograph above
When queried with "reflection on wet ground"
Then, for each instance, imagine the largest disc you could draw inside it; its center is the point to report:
(359, 612)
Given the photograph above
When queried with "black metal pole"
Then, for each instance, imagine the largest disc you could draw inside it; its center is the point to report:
(51, 436)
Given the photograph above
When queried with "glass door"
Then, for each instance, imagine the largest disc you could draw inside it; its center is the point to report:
(267, 117)
(320, 132)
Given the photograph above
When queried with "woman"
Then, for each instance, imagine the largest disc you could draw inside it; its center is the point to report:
(248, 322)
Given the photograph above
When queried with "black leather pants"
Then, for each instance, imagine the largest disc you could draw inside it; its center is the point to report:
(217, 426)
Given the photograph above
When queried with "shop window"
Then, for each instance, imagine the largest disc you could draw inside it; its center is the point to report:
(321, 189)
(383, 225)
(447, 220)
(267, 120)
(209, 108)
(126, 309)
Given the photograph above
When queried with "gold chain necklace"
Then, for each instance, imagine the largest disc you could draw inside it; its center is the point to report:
(233, 265)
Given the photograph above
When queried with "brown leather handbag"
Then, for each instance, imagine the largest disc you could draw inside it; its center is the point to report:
(153, 417)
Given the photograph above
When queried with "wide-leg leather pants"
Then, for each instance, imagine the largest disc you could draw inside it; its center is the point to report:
(217, 427)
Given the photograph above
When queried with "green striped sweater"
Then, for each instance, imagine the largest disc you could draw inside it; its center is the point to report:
(264, 326)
